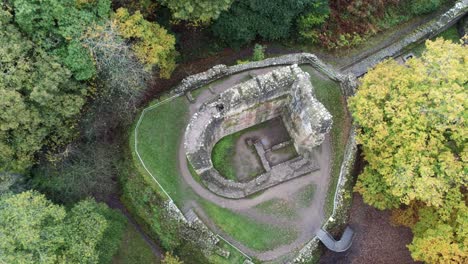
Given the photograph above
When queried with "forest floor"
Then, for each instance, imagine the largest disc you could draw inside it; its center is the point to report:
(376, 240)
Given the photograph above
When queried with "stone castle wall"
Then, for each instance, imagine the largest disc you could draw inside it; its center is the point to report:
(285, 92)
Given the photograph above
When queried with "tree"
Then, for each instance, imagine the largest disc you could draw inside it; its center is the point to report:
(119, 70)
(36, 230)
(57, 25)
(152, 44)
(38, 101)
(439, 238)
(247, 19)
(197, 10)
(171, 259)
(309, 23)
(412, 129)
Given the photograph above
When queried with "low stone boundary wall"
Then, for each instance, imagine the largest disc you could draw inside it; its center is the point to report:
(426, 31)
(348, 82)
(339, 214)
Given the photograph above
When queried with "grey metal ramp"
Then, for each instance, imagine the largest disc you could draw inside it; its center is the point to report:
(337, 246)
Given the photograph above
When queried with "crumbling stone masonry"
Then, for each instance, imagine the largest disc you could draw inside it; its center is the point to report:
(285, 92)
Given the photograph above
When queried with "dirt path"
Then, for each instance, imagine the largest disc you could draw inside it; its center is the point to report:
(310, 218)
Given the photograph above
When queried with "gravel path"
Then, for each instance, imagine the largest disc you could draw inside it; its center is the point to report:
(310, 218)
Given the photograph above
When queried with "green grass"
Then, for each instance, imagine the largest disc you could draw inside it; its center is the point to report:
(223, 156)
(329, 94)
(449, 34)
(134, 249)
(224, 151)
(305, 195)
(277, 207)
(234, 257)
(158, 140)
(249, 232)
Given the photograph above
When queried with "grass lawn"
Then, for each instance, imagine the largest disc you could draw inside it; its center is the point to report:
(224, 151)
(329, 94)
(278, 207)
(249, 232)
(223, 156)
(134, 249)
(158, 140)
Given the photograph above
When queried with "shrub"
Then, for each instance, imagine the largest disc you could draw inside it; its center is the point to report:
(258, 52)
(419, 7)
(247, 19)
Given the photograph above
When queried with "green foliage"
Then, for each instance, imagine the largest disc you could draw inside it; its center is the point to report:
(419, 7)
(87, 170)
(258, 52)
(56, 25)
(197, 10)
(134, 249)
(24, 220)
(78, 59)
(152, 44)
(413, 133)
(148, 206)
(247, 19)
(308, 24)
(38, 102)
(36, 230)
(10, 183)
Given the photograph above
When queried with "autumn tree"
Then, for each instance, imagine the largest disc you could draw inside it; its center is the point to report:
(119, 71)
(197, 10)
(169, 258)
(413, 133)
(34, 230)
(38, 101)
(152, 44)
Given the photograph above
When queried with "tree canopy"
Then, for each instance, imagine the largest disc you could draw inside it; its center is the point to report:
(412, 127)
(197, 10)
(34, 230)
(153, 45)
(38, 101)
(56, 26)
(271, 20)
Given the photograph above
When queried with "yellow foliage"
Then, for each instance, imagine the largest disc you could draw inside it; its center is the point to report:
(152, 44)
(412, 122)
